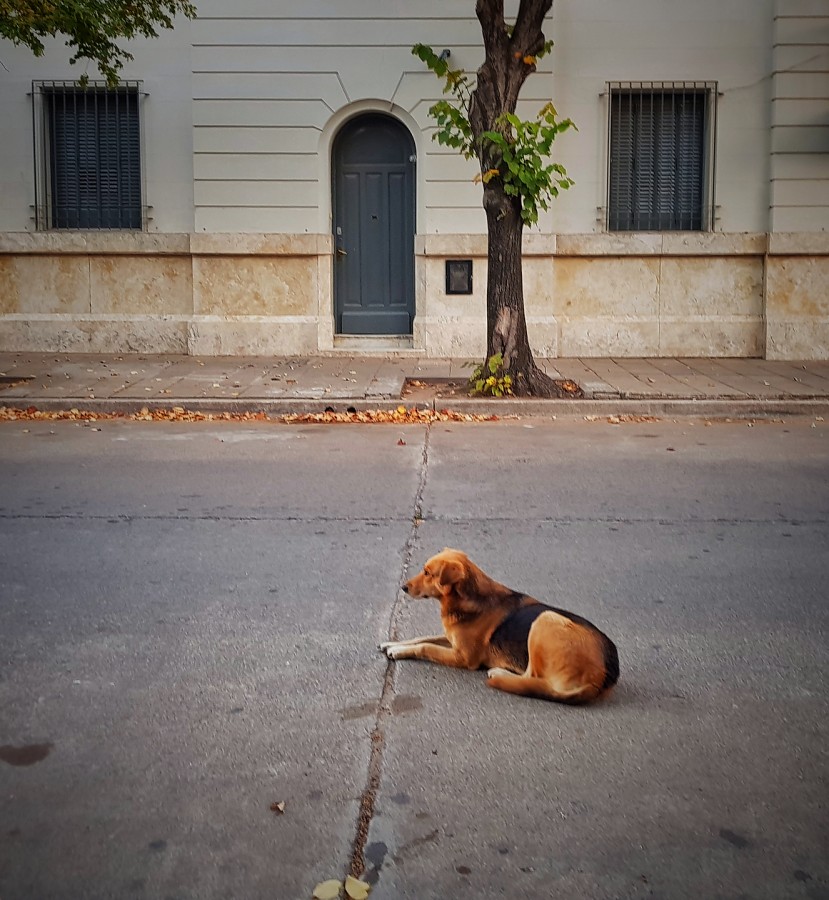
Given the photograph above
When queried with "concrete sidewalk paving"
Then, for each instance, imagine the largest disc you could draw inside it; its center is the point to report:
(663, 386)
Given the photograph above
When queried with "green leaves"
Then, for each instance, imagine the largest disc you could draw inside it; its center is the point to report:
(454, 129)
(452, 119)
(516, 152)
(489, 378)
(524, 148)
(91, 27)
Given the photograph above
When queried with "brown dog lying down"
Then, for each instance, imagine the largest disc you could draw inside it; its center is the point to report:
(529, 648)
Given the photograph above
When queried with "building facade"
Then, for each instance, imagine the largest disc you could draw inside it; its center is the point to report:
(264, 182)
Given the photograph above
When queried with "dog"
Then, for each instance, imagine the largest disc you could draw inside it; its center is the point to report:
(529, 648)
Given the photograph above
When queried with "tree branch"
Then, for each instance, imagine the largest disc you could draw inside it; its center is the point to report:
(509, 60)
(527, 37)
(490, 14)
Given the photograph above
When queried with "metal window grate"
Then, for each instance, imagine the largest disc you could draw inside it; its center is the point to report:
(88, 159)
(660, 155)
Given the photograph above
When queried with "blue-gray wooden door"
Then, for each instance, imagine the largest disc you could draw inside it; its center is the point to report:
(374, 223)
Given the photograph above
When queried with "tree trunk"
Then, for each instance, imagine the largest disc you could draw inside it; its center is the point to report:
(506, 332)
(498, 84)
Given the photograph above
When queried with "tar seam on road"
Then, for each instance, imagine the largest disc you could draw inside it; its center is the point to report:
(206, 517)
(378, 736)
(378, 520)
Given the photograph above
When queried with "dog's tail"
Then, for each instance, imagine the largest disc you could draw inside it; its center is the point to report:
(611, 664)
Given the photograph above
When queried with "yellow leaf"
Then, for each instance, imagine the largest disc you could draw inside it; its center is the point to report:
(328, 890)
(356, 890)
(401, 410)
(489, 175)
(529, 60)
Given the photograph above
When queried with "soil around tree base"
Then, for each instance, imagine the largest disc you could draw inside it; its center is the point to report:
(424, 390)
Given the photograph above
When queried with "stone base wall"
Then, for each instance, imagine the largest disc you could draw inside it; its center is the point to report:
(585, 295)
(797, 296)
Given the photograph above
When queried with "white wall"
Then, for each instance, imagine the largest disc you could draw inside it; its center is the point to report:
(164, 67)
(268, 83)
(800, 116)
(241, 107)
(728, 41)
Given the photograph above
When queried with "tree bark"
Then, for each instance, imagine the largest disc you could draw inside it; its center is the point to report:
(506, 323)
(499, 82)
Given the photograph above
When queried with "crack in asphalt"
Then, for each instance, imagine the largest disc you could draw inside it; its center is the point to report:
(368, 797)
(417, 517)
(162, 517)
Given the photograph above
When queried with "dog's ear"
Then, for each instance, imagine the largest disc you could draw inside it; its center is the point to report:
(452, 571)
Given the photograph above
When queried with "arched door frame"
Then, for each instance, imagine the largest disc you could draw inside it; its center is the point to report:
(326, 333)
(326, 147)
(374, 167)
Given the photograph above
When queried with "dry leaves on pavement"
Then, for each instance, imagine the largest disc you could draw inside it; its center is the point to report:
(399, 416)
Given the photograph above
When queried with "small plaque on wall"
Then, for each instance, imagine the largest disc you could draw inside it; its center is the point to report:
(458, 276)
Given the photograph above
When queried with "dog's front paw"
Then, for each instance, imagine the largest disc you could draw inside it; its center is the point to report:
(491, 673)
(382, 647)
(393, 650)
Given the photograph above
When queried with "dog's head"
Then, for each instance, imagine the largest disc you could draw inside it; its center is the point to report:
(440, 575)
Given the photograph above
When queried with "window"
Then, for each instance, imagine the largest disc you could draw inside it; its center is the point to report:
(88, 153)
(660, 171)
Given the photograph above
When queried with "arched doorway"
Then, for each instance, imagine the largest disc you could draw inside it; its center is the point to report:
(373, 180)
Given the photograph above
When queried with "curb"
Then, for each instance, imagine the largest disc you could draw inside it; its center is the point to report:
(659, 408)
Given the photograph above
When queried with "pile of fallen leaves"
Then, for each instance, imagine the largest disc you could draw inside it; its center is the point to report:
(399, 416)
(569, 387)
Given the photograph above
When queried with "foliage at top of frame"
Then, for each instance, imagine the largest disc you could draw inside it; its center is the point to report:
(91, 27)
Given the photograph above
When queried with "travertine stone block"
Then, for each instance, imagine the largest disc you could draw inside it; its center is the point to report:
(44, 284)
(255, 285)
(608, 337)
(290, 336)
(711, 286)
(712, 336)
(144, 285)
(621, 287)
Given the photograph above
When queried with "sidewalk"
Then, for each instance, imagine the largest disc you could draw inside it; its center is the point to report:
(665, 386)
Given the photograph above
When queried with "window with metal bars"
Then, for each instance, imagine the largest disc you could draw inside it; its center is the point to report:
(660, 174)
(88, 156)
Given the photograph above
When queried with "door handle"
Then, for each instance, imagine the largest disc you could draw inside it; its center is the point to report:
(341, 252)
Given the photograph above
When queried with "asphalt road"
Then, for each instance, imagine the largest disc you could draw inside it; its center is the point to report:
(189, 617)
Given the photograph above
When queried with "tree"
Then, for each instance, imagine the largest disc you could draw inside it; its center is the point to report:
(91, 27)
(516, 174)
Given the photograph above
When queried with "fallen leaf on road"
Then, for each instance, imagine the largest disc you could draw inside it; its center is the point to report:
(356, 890)
(278, 808)
(328, 890)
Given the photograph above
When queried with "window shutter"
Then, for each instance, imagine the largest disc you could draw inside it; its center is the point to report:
(690, 125)
(95, 158)
(657, 159)
(622, 156)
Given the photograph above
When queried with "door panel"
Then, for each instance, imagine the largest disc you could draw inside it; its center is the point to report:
(374, 227)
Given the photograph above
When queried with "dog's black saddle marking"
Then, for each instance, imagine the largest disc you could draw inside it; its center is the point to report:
(511, 636)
